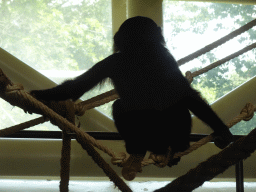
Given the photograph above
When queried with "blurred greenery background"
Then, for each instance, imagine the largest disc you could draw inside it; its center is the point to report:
(64, 38)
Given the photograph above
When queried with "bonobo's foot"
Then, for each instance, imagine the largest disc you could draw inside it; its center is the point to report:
(165, 159)
(174, 161)
(132, 166)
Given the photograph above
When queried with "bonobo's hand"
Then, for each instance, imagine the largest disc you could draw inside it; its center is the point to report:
(223, 139)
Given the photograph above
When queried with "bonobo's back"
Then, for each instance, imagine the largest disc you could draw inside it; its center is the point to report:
(149, 78)
(146, 75)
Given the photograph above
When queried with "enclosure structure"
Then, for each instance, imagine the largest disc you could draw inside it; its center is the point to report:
(111, 95)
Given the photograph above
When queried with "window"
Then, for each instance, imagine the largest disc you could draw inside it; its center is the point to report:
(64, 38)
(189, 26)
(59, 38)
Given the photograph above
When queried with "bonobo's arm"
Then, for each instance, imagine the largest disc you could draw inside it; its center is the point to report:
(204, 112)
(74, 89)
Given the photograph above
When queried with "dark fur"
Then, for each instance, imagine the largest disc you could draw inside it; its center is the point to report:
(155, 98)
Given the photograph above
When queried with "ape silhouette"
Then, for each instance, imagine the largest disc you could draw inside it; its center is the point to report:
(155, 98)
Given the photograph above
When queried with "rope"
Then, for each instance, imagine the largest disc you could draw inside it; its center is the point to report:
(217, 43)
(246, 114)
(25, 125)
(65, 162)
(117, 159)
(190, 75)
(224, 60)
(111, 95)
(101, 99)
(96, 101)
(28, 103)
(205, 171)
(17, 97)
(65, 109)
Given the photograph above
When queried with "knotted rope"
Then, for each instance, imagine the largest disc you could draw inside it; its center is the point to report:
(205, 171)
(15, 95)
(112, 95)
(246, 114)
(120, 158)
(29, 104)
(101, 99)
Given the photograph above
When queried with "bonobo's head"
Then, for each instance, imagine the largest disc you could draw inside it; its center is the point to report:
(138, 32)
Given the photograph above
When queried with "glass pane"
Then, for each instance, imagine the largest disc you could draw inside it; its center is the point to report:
(11, 116)
(59, 38)
(189, 26)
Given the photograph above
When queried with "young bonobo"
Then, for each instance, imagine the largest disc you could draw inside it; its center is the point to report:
(155, 98)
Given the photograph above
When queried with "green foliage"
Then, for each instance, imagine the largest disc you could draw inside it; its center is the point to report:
(68, 36)
(207, 93)
(223, 79)
(55, 34)
(65, 35)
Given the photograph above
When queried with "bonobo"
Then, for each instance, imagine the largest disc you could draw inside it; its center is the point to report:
(155, 98)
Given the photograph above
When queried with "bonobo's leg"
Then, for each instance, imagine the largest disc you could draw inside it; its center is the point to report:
(176, 123)
(130, 126)
(180, 128)
(132, 166)
(153, 130)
